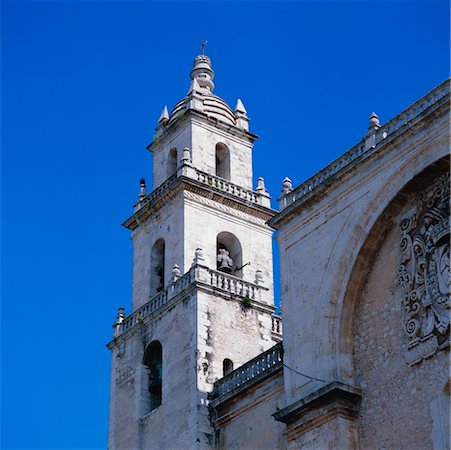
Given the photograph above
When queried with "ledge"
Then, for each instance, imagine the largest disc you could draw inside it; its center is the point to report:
(173, 185)
(181, 121)
(335, 397)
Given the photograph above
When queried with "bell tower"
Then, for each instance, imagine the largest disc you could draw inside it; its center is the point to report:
(202, 298)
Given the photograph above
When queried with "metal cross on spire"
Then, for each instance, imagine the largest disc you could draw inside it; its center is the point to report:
(202, 46)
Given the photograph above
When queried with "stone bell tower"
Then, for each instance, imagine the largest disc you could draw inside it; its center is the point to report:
(202, 274)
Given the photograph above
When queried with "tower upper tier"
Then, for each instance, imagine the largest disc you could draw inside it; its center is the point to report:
(217, 137)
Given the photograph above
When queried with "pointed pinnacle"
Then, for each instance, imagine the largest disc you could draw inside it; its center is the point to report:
(240, 107)
(194, 87)
(374, 120)
(164, 115)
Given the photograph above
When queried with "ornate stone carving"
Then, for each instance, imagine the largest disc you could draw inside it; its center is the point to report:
(424, 272)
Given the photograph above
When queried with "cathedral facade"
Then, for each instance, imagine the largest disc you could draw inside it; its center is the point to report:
(200, 363)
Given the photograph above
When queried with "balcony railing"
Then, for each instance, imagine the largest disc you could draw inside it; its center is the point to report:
(228, 187)
(157, 302)
(198, 273)
(248, 195)
(362, 148)
(232, 284)
(270, 359)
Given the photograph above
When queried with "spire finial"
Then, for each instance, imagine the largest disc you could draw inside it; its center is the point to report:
(374, 121)
(202, 46)
(202, 71)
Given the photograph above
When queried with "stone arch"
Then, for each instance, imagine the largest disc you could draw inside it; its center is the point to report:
(227, 366)
(157, 267)
(153, 376)
(365, 242)
(228, 242)
(222, 158)
(171, 164)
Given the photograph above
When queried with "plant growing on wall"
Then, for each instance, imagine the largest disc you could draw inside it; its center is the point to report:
(246, 301)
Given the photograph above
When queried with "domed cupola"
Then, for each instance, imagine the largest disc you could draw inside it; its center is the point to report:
(200, 98)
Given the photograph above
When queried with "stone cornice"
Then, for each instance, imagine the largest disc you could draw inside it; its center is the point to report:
(200, 278)
(160, 139)
(375, 141)
(175, 184)
(318, 406)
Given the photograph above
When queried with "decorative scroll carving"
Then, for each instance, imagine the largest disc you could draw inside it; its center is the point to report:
(424, 272)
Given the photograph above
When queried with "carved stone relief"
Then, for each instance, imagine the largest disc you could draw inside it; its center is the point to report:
(424, 272)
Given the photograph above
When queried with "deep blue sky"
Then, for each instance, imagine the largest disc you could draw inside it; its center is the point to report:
(83, 84)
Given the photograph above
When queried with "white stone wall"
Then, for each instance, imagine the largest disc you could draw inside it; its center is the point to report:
(225, 330)
(196, 335)
(229, 330)
(246, 423)
(172, 424)
(204, 139)
(319, 247)
(204, 219)
(168, 224)
(179, 139)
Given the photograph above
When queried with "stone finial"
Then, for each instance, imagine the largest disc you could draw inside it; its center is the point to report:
(176, 274)
(142, 190)
(261, 184)
(198, 256)
(242, 121)
(374, 122)
(164, 117)
(186, 156)
(259, 277)
(239, 108)
(265, 199)
(194, 87)
(371, 137)
(287, 186)
(120, 315)
(203, 72)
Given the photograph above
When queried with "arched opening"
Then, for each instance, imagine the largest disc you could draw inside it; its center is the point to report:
(157, 267)
(229, 254)
(227, 366)
(376, 233)
(222, 161)
(172, 162)
(153, 364)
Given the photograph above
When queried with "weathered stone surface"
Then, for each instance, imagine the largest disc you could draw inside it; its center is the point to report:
(396, 410)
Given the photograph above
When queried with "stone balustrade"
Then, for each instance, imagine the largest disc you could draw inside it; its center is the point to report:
(197, 274)
(362, 149)
(228, 187)
(276, 327)
(232, 284)
(156, 302)
(248, 195)
(263, 363)
(156, 192)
